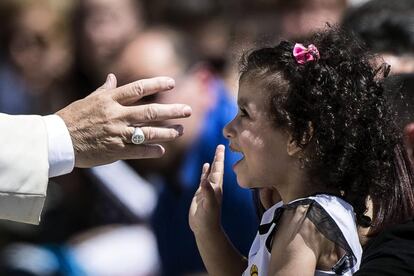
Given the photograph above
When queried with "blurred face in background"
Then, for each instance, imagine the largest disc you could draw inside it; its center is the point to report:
(39, 46)
(152, 54)
(303, 17)
(106, 27)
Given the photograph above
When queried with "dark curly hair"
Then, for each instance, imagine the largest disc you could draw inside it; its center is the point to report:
(335, 109)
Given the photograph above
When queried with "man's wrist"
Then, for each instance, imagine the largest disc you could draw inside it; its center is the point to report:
(61, 155)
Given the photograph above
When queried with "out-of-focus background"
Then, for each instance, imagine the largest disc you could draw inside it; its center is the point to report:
(130, 218)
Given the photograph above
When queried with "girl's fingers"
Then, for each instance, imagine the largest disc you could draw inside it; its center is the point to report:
(217, 168)
(204, 173)
(205, 186)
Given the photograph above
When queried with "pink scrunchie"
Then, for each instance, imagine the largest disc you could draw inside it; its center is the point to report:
(303, 54)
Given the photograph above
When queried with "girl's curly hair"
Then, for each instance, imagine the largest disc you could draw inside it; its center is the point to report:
(337, 103)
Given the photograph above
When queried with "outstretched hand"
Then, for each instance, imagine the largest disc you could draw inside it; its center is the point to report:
(205, 208)
(101, 125)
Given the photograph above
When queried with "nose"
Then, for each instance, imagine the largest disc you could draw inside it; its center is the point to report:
(228, 130)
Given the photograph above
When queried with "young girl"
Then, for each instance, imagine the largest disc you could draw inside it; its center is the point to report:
(314, 127)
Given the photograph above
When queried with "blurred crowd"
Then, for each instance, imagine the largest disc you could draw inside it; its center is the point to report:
(130, 218)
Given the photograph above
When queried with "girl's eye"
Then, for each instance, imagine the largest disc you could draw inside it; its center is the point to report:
(243, 112)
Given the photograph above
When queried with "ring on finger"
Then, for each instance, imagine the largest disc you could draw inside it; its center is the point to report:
(138, 136)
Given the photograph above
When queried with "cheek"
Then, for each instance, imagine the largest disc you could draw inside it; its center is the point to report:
(250, 141)
(267, 158)
(255, 151)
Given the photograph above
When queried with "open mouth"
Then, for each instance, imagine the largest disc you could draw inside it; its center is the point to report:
(240, 154)
(239, 161)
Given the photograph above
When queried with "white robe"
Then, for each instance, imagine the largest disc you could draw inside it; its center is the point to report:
(24, 167)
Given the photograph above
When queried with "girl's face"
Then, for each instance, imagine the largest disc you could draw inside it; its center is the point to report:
(265, 160)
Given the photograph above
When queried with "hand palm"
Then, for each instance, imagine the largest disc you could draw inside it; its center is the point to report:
(206, 205)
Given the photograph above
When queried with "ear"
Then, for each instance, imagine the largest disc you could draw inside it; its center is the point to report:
(292, 145)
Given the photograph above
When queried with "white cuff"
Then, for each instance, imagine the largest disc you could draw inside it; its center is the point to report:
(61, 155)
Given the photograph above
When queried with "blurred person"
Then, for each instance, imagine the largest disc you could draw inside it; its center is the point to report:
(250, 30)
(33, 77)
(218, 29)
(211, 39)
(167, 52)
(102, 29)
(300, 18)
(207, 22)
(387, 28)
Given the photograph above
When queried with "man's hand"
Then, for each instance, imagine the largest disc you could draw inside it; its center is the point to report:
(101, 125)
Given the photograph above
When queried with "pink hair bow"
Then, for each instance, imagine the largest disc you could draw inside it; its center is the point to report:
(303, 54)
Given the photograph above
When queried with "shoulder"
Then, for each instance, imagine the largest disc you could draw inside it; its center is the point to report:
(297, 230)
(309, 237)
(297, 243)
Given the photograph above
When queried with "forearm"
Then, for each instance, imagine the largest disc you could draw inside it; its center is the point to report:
(219, 255)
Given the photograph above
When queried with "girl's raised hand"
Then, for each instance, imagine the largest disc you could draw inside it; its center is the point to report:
(205, 208)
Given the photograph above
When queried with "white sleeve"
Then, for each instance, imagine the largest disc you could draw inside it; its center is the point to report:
(23, 167)
(60, 148)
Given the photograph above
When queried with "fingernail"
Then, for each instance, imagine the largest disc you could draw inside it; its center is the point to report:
(187, 111)
(107, 83)
(171, 83)
(109, 80)
(180, 130)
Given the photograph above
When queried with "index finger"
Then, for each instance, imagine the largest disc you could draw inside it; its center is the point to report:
(217, 168)
(156, 112)
(132, 92)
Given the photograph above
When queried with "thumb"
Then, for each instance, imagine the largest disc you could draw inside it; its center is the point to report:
(110, 83)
